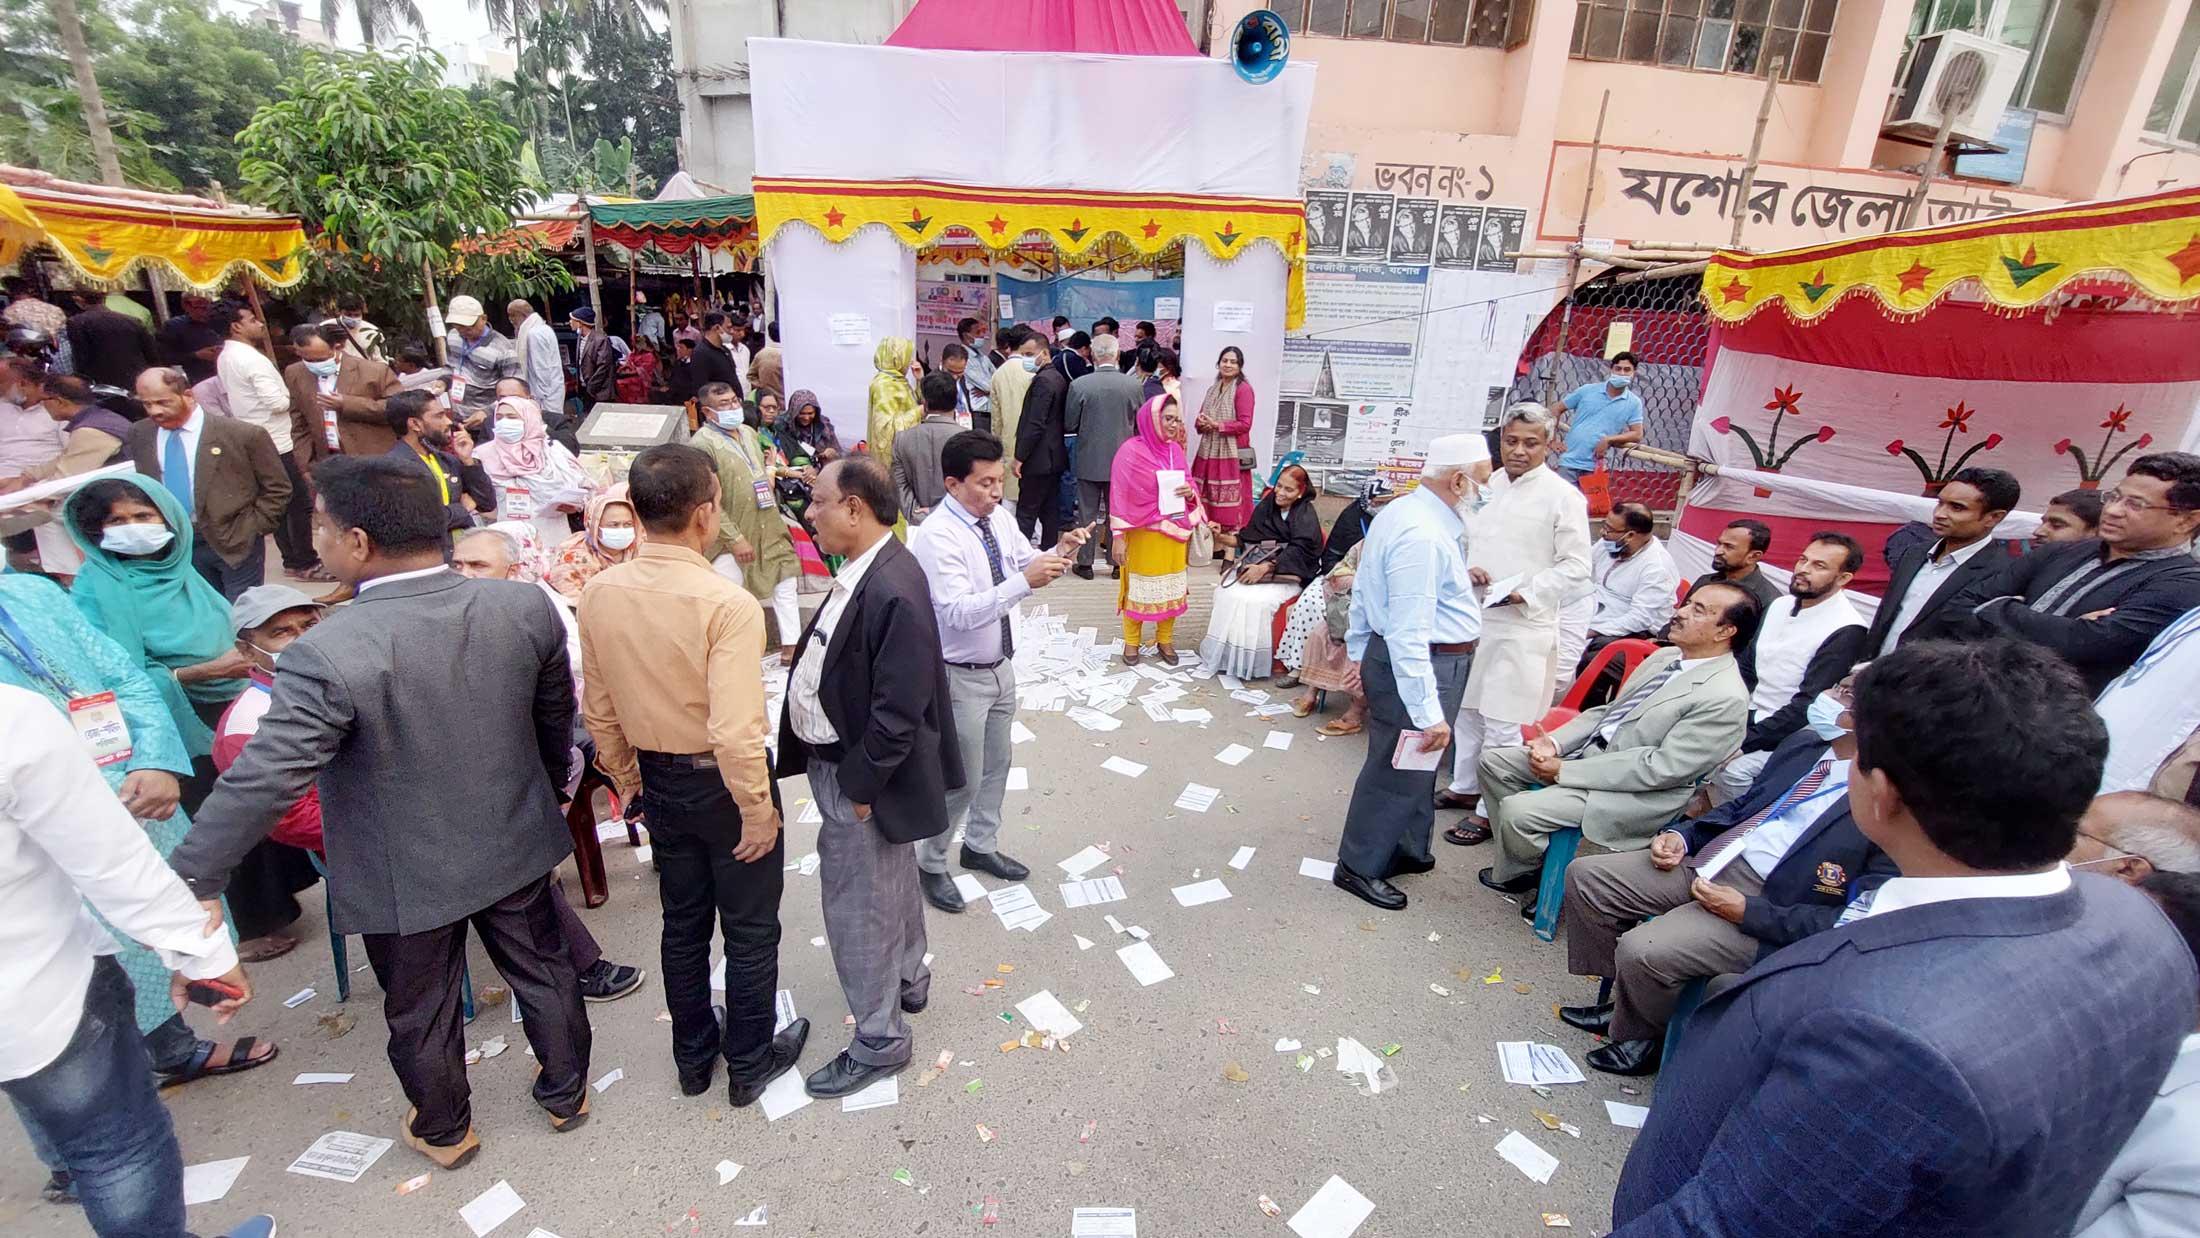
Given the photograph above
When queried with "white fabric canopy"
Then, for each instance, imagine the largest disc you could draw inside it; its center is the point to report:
(871, 276)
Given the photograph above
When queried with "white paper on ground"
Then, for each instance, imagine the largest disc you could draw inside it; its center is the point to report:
(1273, 709)
(341, 1155)
(1018, 733)
(1117, 765)
(1230, 683)
(1047, 1013)
(1530, 1064)
(1083, 862)
(807, 865)
(1629, 1116)
(1113, 923)
(782, 1010)
(885, 1092)
(1209, 891)
(727, 1172)
(540, 1232)
(784, 1095)
(1015, 906)
(1093, 719)
(610, 1077)
(1408, 755)
(1103, 1223)
(1093, 892)
(1197, 797)
(1523, 1154)
(317, 1078)
(1334, 1211)
(1156, 710)
(1354, 1058)
(299, 998)
(642, 854)
(1019, 779)
(1235, 754)
(759, 1215)
(1145, 966)
(1083, 943)
(1243, 857)
(205, 1183)
(1138, 932)
(1285, 1044)
(1320, 870)
(493, 1207)
(1278, 740)
(967, 886)
(1200, 716)
(811, 815)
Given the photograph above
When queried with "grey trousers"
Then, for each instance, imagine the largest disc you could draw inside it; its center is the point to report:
(1608, 898)
(1092, 504)
(874, 922)
(1523, 814)
(1393, 811)
(984, 704)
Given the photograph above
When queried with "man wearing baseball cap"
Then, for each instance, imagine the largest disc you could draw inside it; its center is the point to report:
(479, 355)
(597, 359)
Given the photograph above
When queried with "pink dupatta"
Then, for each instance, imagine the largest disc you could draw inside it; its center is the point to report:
(1134, 486)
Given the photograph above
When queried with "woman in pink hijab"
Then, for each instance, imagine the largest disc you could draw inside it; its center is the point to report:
(538, 481)
(1151, 543)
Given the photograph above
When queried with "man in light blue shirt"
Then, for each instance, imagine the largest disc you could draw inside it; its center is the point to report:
(1413, 627)
(1600, 416)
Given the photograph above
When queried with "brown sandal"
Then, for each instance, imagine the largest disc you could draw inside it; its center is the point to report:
(1339, 728)
(1302, 707)
(1167, 654)
(445, 1156)
(275, 947)
(1130, 657)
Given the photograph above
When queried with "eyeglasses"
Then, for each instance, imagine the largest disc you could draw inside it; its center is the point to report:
(2135, 505)
(2114, 853)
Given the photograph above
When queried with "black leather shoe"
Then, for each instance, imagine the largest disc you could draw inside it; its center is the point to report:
(1627, 1057)
(995, 863)
(1403, 863)
(695, 1083)
(844, 1076)
(1595, 1019)
(1083, 571)
(786, 1051)
(1370, 889)
(940, 891)
(1515, 885)
(915, 1007)
(1529, 904)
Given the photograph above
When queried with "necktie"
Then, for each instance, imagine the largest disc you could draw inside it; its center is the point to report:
(1802, 790)
(993, 560)
(1625, 708)
(175, 469)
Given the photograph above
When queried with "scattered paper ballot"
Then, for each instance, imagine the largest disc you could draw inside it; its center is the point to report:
(540, 1232)
(1209, 891)
(1526, 1157)
(1047, 1013)
(1018, 733)
(493, 1207)
(341, 1155)
(203, 1184)
(759, 1215)
(784, 1095)
(1017, 909)
(783, 1008)
(1093, 719)
(299, 998)
(1251, 696)
(1197, 797)
(1083, 862)
(1157, 710)
(1278, 740)
(610, 1077)
(727, 1172)
(1117, 765)
(1630, 1116)
(885, 1092)
(1200, 716)
(1334, 1212)
(807, 865)
(1083, 942)
(1243, 857)
(1145, 966)
(302, 1080)
(1235, 754)
(1319, 870)
(1408, 754)
(1138, 932)
(1531, 1065)
(1354, 1058)
(1019, 778)
(1230, 683)
(967, 886)
(1095, 891)
(811, 815)
(1113, 923)
(1103, 1223)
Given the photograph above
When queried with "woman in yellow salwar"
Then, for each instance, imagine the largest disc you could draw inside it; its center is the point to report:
(1150, 543)
(894, 404)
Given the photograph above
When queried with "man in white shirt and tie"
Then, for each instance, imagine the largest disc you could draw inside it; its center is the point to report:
(978, 565)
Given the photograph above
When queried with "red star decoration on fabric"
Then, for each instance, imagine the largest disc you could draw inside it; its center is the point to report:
(1152, 229)
(2187, 260)
(833, 216)
(197, 254)
(997, 224)
(1913, 280)
(1734, 290)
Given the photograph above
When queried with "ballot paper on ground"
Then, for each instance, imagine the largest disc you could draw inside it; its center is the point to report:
(1235, 754)
(1103, 1223)
(207, 1182)
(341, 1155)
(1145, 965)
(1251, 696)
(1334, 1211)
(1278, 740)
(1408, 755)
(1017, 908)
(1093, 719)
(1319, 870)
(306, 1079)
(1629, 1116)
(1046, 1012)
(493, 1207)
(1535, 1065)
(1230, 683)
(1018, 733)
(1083, 862)
(1524, 1154)
(1092, 892)
(784, 1095)
(1019, 778)
(967, 886)
(1117, 765)
(1209, 891)
(1156, 710)
(1166, 499)
(783, 1010)
(885, 1092)
(1197, 797)
(1371, 1075)
(1200, 717)
(811, 815)
(1243, 857)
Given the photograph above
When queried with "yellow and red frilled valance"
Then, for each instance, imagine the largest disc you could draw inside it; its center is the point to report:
(107, 241)
(2149, 244)
(917, 212)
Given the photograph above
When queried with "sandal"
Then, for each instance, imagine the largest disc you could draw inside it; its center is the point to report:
(1302, 707)
(240, 1059)
(261, 949)
(1470, 832)
(1130, 657)
(1167, 654)
(1339, 728)
(446, 1156)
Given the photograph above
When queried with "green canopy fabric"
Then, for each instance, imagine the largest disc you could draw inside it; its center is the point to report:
(677, 226)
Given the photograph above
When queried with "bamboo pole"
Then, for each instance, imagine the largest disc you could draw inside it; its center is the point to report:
(1664, 272)
(435, 314)
(252, 298)
(1756, 148)
(588, 256)
(1573, 263)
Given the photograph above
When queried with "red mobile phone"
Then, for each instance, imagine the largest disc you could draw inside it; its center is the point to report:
(211, 992)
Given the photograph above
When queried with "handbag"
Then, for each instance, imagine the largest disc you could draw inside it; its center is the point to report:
(1596, 487)
(1261, 552)
(1201, 546)
(1247, 460)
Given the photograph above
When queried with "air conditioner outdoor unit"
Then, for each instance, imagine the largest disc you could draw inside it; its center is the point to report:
(1948, 65)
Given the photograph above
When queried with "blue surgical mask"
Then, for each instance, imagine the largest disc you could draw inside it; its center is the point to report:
(1824, 717)
(728, 418)
(1612, 547)
(324, 369)
(1031, 365)
(1621, 381)
(136, 539)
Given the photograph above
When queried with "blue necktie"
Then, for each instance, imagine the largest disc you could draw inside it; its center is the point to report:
(175, 470)
(993, 561)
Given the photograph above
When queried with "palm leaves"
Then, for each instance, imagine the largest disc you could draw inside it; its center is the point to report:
(378, 19)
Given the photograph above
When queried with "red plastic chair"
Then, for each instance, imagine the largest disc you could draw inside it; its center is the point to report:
(1558, 717)
(1630, 650)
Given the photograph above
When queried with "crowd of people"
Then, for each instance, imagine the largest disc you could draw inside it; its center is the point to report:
(1873, 847)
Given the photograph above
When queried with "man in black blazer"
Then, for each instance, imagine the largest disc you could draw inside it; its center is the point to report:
(1754, 874)
(1926, 580)
(868, 720)
(1042, 455)
(2099, 603)
(1964, 1055)
(714, 361)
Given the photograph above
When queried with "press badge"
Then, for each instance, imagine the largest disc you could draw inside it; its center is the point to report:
(763, 488)
(99, 721)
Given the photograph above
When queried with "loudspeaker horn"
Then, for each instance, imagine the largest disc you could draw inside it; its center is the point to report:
(1260, 46)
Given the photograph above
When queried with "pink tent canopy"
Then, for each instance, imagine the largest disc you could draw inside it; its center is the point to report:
(1109, 27)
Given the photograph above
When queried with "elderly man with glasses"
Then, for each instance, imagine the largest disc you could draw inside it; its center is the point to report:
(2130, 835)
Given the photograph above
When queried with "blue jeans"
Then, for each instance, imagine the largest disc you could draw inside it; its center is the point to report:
(96, 1107)
(1572, 476)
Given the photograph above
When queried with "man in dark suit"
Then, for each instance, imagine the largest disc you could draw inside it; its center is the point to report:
(225, 471)
(868, 719)
(338, 399)
(1042, 456)
(421, 846)
(1966, 1053)
(1925, 580)
(714, 361)
(1756, 873)
(597, 360)
(108, 347)
(2098, 603)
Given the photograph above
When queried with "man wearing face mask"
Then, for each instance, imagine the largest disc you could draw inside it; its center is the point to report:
(225, 472)
(1600, 416)
(479, 356)
(425, 437)
(1008, 393)
(337, 399)
(1636, 582)
(754, 548)
(1727, 888)
(1041, 451)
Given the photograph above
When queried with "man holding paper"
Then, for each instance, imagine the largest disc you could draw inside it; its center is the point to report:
(1413, 628)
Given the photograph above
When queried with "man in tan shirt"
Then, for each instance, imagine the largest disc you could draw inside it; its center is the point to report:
(671, 657)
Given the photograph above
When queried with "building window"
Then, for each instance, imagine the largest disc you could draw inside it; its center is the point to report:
(2174, 114)
(1457, 23)
(2057, 36)
(1722, 36)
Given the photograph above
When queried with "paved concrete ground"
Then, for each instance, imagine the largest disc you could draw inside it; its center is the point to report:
(1171, 1136)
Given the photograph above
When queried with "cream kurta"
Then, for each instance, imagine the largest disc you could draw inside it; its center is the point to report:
(743, 515)
(1010, 382)
(1537, 526)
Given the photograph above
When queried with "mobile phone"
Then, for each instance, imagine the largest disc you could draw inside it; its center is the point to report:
(211, 992)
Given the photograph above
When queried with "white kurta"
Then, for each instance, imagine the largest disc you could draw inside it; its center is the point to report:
(1538, 527)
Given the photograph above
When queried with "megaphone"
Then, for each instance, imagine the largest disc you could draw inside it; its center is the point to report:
(1260, 46)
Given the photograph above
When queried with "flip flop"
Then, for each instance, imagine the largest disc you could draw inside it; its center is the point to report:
(240, 1059)
(1300, 709)
(261, 954)
(1468, 833)
(1340, 728)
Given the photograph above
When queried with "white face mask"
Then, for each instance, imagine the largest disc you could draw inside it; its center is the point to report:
(617, 539)
(509, 430)
(136, 539)
(729, 418)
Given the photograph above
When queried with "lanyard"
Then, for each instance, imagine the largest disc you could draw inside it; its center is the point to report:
(442, 483)
(1788, 804)
(748, 458)
(25, 655)
(2174, 635)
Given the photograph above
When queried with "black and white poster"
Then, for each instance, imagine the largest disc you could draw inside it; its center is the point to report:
(1458, 229)
(1325, 223)
(1321, 430)
(1367, 227)
(1502, 227)
(1413, 230)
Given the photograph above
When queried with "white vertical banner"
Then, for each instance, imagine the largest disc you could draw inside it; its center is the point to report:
(1256, 278)
(836, 303)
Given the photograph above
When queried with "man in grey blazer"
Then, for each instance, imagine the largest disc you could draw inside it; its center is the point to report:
(1620, 771)
(421, 845)
(1102, 411)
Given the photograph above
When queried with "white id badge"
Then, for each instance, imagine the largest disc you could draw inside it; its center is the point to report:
(99, 721)
(519, 503)
(328, 427)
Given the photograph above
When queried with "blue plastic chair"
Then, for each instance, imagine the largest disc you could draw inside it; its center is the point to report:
(340, 954)
(1552, 891)
(1691, 997)
(1289, 458)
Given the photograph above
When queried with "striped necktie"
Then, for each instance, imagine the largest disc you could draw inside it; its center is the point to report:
(993, 561)
(1802, 790)
(1625, 707)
